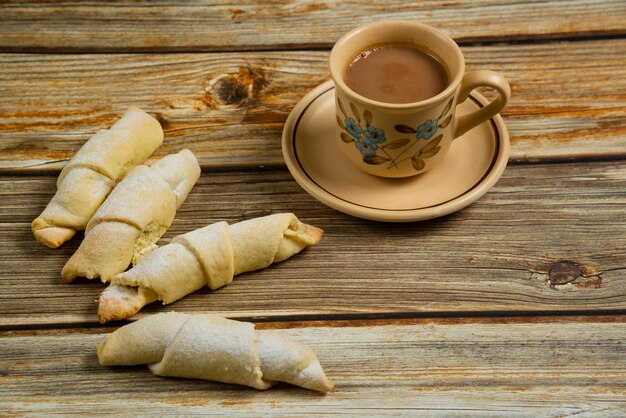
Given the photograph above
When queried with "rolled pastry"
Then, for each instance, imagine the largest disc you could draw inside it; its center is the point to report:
(134, 216)
(209, 256)
(92, 173)
(213, 348)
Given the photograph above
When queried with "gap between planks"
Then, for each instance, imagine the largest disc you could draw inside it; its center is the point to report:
(271, 167)
(365, 320)
(527, 39)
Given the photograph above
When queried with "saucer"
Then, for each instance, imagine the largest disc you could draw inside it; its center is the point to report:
(472, 166)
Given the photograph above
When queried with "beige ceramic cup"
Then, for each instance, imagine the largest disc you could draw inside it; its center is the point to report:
(403, 140)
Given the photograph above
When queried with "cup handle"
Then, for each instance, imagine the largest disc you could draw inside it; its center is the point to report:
(481, 78)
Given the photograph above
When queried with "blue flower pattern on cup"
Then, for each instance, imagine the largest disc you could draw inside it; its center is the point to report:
(373, 144)
(427, 129)
(366, 148)
(365, 141)
(353, 128)
(374, 135)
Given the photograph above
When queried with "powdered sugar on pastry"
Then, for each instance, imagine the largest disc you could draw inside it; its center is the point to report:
(213, 348)
(92, 173)
(210, 256)
(134, 216)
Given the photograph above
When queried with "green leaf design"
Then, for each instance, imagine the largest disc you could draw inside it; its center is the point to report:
(367, 115)
(446, 109)
(431, 144)
(375, 160)
(418, 163)
(429, 153)
(355, 112)
(340, 122)
(341, 107)
(405, 129)
(346, 138)
(445, 122)
(397, 143)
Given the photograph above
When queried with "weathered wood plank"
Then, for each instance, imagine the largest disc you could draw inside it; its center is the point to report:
(397, 368)
(230, 108)
(492, 256)
(39, 25)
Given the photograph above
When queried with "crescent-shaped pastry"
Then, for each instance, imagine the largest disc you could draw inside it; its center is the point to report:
(134, 216)
(210, 347)
(208, 256)
(93, 172)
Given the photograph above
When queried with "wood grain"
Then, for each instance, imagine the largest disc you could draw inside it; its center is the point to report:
(513, 306)
(42, 25)
(399, 368)
(501, 254)
(229, 108)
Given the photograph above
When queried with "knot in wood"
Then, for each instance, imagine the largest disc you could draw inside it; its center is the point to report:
(562, 272)
(242, 88)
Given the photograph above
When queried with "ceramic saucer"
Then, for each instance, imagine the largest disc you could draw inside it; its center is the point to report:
(474, 163)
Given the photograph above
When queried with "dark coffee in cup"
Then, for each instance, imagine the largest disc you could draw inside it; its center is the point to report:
(397, 73)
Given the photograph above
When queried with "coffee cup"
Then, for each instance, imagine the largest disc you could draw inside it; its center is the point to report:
(389, 125)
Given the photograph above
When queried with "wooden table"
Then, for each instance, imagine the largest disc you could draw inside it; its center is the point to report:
(515, 305)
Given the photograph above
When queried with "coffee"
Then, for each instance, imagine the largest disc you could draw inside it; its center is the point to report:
(396, 74)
